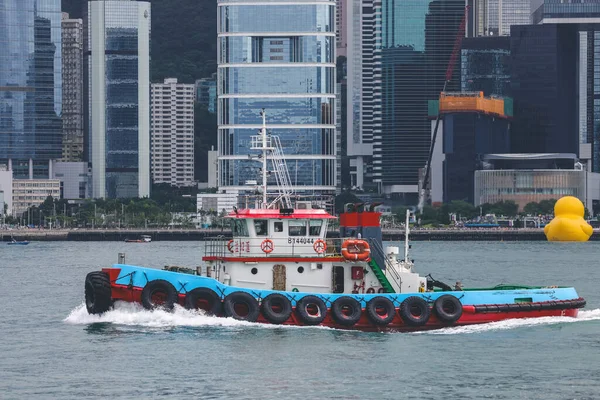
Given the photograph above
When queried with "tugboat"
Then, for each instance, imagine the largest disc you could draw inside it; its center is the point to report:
(280, 267)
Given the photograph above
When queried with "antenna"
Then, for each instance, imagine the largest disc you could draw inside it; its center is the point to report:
(270, 145)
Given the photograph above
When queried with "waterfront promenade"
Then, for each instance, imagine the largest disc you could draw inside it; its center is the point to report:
(416, 234)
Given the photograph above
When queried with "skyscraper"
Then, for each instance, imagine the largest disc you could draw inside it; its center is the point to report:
(118, 63)
(572, 113)
(30, 86)
(173, 133)
(279, 56)
(417, 41)
(72, 69)
(363, 97)
(495, 17)
(543, 84)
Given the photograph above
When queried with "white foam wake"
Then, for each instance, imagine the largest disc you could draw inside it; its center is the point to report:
(134, 314)
(584, 315)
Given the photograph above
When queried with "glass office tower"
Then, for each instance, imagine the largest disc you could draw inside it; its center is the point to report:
(118, 62)
(577, 51)
(279, 56)
(30, 86)
(417, 41)
(495, 17)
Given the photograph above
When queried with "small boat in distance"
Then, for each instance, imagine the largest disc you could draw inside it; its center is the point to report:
(18, 242)
(142, 239)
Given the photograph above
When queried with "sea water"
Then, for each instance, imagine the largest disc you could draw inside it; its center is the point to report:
(51, 348)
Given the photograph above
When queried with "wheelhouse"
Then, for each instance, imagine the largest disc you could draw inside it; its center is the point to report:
(278, 231)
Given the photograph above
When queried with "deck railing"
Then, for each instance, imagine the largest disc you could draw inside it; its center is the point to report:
(221, 247)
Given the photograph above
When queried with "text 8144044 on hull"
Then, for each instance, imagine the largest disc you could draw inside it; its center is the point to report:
(281, 268)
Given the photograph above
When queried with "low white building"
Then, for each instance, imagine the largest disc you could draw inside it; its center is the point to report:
(2, 213)
(32, 192)
(6, 186)
(217, 202)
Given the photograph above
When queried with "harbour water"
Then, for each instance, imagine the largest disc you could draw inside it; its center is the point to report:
(52, 349)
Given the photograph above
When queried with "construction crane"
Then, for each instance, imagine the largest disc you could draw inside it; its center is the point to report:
(453, 57)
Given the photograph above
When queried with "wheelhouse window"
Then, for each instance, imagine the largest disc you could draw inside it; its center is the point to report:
(315, 227)
(261, 227)
(278, 226)
(297, 228)
(239, 227)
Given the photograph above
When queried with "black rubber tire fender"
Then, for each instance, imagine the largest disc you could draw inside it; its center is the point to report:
(414, 311)
(448, 308)
(98, 294)
(279, 301)
(213, 300)
(245, 299)
(308, 318)
(346, 303)
(159, 286)
(380, 302)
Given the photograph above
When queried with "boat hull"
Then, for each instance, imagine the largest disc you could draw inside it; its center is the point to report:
(478, 306)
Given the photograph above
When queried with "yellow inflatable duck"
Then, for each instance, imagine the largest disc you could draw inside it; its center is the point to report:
(568, 224)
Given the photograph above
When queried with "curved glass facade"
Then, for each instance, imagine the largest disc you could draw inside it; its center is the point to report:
(279, 57)
(289, 18)
(300, 79)
(300, 49)
(30, 85)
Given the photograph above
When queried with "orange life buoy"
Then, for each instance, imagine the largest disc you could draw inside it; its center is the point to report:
(356, 250)
(230, 246)
(320, 246)
(267, 246)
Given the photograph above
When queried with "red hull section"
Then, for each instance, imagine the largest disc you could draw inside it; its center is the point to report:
(469, 316)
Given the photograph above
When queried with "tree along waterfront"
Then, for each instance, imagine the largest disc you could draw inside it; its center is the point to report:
(170, 207)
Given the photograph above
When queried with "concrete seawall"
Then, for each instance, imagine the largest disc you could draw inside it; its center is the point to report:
(203, 234)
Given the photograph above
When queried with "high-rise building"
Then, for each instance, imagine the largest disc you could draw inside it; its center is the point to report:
(172, 132)
(341, 31)
(279, 56)
(72, 78)
(471, 126)
(363, 81)
(577, 53)
(118, 94)
(417, 41)
(544, 87)
(30, 86)
(495, 17)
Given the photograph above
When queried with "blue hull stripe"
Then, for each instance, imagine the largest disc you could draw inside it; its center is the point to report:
(140, 276)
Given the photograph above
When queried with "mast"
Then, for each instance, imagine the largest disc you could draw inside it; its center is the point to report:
(263, 133)
(270, 148)
(406, 232)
